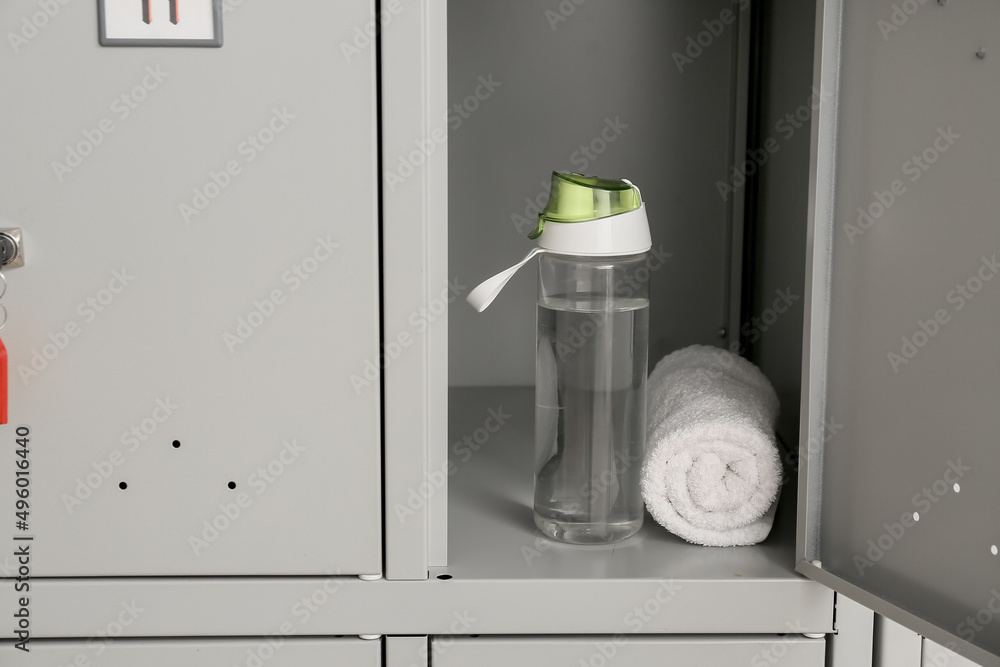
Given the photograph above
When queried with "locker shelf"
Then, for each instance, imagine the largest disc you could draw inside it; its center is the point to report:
(492, 538)
(492, 534)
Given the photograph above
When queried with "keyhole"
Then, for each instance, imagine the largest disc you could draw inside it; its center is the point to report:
(8, 250)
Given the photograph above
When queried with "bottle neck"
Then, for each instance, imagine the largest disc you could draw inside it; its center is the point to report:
(596, 280)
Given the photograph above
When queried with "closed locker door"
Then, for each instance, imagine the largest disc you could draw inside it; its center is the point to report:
(273, 651)
(200, 285)
(682, 651)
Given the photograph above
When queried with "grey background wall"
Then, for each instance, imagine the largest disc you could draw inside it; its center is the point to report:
(535, 86)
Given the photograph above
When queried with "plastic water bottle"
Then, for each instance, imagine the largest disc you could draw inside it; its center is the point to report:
(590, 397)
(591, 358)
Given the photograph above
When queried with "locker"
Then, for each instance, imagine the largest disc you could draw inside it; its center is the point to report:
(276, 651)
(200, 227)
(394, 506)
(644, 652)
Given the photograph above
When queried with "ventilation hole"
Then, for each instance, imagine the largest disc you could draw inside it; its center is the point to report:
(122, 485)
(232, 485)
(474, 636)
(916, 516)
(176, 443)
(957, 487)
(444, 577)
(994, 550)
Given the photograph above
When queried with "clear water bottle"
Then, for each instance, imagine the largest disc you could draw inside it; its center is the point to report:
(590, 397)
(591, 358)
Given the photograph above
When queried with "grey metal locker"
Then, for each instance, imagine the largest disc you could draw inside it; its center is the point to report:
(701, 606)
(634, 652)
(191, 333)
(898, 508)
(275, 651)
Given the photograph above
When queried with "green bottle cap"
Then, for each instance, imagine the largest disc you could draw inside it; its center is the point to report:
(579, 198)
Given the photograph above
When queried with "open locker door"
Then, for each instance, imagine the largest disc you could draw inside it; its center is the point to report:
(898, 484)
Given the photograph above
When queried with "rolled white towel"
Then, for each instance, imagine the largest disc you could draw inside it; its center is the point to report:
(712, 471)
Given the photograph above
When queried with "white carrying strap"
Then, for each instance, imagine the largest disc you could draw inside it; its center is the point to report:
(482, 296)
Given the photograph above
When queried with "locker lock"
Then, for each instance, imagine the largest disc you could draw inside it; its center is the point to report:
(11, 248)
